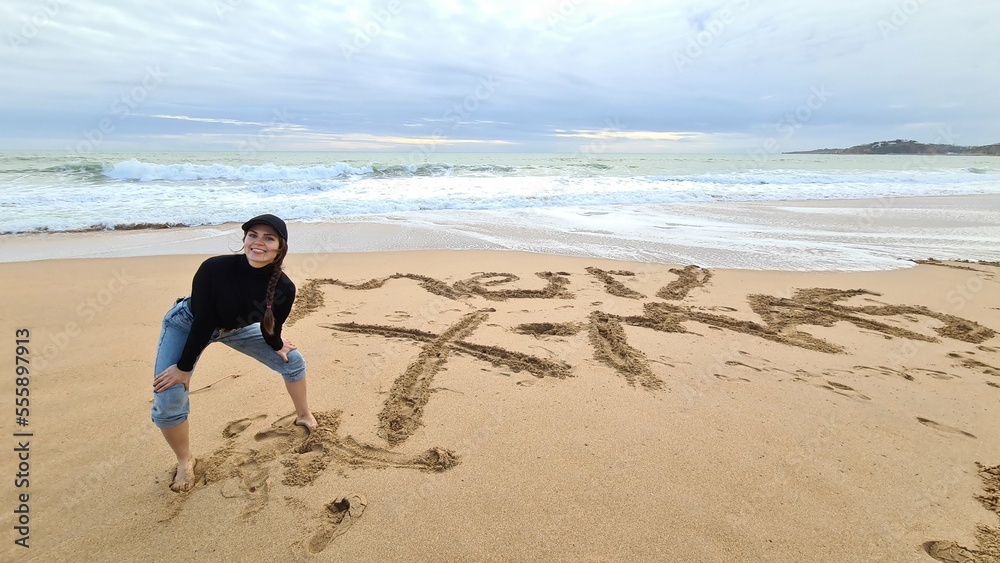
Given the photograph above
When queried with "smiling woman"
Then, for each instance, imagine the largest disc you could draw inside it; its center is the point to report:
(262, 245)
(242, 301)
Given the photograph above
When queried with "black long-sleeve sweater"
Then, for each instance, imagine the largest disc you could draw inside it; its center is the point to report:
(228, 293)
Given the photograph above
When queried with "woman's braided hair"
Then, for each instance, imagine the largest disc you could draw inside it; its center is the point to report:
(268, 322)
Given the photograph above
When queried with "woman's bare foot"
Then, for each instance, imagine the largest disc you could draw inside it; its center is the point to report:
(309, 422)
(184, 478)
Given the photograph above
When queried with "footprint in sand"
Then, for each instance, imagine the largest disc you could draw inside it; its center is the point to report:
(246, 473)
(841, 389)
(943, 427)
(882, 370)
(338, 517)
(727, 378)
(236, 427)
(281, 434)
(741, 364)
(977, 365)
(797, 374)
(950, 552)
(934, 373)
(252, 484)
(175, 502)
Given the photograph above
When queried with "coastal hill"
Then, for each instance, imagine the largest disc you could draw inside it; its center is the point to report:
(901, 146)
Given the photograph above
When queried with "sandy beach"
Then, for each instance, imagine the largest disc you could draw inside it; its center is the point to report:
(506, 406)
(575, 282)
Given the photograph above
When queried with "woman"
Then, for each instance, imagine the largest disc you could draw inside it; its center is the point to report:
(241, 300)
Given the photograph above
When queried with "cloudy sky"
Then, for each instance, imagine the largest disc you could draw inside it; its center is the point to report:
(497, 75)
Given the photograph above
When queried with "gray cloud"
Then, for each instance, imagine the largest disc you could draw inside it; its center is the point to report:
(391, 74)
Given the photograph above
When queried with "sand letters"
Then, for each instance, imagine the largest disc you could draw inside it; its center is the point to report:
(411, 391)
(782, 321)
(249, 462)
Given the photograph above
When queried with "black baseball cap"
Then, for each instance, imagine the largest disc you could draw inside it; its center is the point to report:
(270, 220)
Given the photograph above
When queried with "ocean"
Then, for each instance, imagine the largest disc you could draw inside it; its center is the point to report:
(728, 210)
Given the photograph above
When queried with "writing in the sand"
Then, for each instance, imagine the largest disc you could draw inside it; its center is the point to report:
(781, 321)
(22, 338)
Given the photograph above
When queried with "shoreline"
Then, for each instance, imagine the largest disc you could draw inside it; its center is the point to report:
(803, 235)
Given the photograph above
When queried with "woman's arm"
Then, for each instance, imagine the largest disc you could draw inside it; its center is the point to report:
(202, 309)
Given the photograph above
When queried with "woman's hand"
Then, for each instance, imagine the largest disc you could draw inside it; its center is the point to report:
(170, 377)
(288, 347)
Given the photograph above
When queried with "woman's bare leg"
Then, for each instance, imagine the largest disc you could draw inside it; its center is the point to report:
(177, 438)
(297, 391)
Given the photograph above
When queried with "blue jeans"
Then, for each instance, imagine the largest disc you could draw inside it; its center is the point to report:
(171, 406)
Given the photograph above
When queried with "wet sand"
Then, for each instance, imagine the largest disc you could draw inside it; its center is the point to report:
(849, 235)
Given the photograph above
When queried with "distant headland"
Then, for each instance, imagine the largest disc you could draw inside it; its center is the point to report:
(902, 146)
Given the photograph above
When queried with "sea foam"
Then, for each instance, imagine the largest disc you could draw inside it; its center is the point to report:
(207, 189)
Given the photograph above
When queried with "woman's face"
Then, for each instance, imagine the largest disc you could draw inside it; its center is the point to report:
(261, 245)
